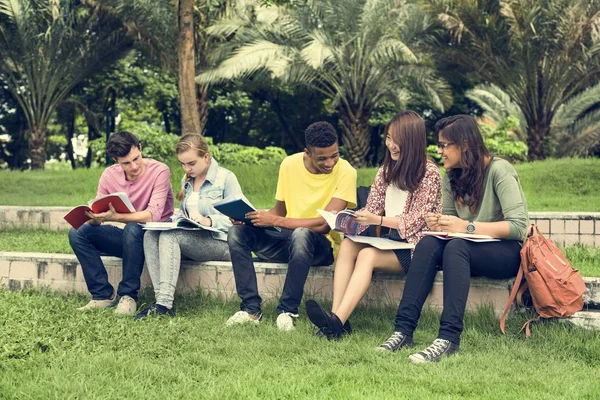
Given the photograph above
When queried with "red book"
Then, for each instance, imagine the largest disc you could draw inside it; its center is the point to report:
(120, 202)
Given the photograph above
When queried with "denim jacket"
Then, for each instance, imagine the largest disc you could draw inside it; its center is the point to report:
(219, 184)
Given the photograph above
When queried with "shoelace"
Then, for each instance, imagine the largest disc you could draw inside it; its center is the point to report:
(394, 340)
(437, 348)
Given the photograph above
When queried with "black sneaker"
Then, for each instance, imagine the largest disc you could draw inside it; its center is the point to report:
(329, 324)
(347, 330)
(154, 310)
(397, 341)
(434, 353)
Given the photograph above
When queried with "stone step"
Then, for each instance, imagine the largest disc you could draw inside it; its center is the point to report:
(62, 272)
(566, 229)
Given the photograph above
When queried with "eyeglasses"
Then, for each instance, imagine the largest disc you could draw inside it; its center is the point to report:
(442, 145)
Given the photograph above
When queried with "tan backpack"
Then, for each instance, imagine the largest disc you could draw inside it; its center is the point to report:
(556, 287)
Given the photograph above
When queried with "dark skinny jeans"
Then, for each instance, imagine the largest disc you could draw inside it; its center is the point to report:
(301, 248)
(89, 242)
(460, 260)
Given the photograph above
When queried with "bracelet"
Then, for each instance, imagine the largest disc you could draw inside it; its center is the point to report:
(381, 222)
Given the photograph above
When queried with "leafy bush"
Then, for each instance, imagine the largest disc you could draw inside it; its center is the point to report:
(161, 146)
(500, 142)
(155, 143)
(235, 154)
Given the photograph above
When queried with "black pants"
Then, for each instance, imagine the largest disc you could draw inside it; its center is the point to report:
(460, 259)
(300, 248)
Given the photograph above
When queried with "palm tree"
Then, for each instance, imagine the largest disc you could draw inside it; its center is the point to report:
(574, 128)
(541, 53)
(190, 121)
(358, 53)
(47, 48)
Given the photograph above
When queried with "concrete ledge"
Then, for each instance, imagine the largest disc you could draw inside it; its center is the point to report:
(62, 272)
(565, 228)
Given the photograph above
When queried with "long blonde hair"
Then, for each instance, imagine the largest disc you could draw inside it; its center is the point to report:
(191, 141)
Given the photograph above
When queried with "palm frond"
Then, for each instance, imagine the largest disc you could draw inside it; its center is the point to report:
(497, 105)
(583, 136)
(247, 60)
(572, 110)
(316, 52)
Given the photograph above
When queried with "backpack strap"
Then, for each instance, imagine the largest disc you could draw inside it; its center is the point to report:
(522, 290)
(527, 326)
(512, 297)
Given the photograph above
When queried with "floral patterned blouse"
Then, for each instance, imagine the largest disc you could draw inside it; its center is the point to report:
(427, 198)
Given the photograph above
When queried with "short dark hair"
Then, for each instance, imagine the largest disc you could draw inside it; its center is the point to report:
(120, 143)
(320, 134)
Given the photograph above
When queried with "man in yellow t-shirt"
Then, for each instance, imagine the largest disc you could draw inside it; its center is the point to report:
(313, 179)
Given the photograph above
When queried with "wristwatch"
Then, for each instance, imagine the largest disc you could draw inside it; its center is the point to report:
(470, 227)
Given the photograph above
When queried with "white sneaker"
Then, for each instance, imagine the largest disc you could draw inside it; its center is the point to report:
(97, 304)
(126, 306)
(285, 321)
(243, 317)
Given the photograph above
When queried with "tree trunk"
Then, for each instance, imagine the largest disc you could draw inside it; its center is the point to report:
(202, 102)
(536, 133)
(37, 147)
(190, 121)
(356, 137)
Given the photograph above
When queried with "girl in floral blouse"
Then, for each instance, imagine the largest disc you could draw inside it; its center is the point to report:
(406, 188)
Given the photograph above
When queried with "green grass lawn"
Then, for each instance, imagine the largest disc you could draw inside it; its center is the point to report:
(51, 351)
(586, 259)
(552, 185)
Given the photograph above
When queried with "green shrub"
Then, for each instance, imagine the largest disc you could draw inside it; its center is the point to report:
(161, 146)
(235, 154)
(156, 143)
(500, 142)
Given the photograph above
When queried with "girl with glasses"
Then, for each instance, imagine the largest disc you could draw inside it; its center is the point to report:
(481, 195)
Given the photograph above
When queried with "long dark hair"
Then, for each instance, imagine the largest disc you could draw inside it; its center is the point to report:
(462, 131)
(407, 129)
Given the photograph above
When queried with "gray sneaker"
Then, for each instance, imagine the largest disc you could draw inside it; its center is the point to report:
(98, 304)
(397, 341)
(285, 321)
(243, 317)
(434, 353)
(126, 306)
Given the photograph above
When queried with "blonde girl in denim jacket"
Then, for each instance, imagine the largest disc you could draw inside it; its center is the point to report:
(204, 184)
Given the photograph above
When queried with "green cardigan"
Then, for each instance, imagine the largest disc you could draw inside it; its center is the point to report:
(503, 200)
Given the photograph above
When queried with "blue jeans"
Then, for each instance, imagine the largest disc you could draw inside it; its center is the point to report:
(300, 248)
(90, 241)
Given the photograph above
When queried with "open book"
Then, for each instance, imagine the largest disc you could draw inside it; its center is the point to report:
(344, 221)
(120, 202)
(381, 243)
(468, 236)
(236, 208)
(177, 222)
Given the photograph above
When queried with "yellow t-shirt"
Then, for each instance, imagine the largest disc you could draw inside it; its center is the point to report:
(303, 192)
